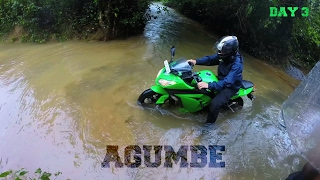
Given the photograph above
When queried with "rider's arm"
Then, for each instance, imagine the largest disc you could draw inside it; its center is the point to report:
(234, 74)
(208, 60)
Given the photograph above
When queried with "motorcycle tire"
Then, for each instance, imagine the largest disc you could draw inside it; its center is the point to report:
(148, 97)
(238, 103)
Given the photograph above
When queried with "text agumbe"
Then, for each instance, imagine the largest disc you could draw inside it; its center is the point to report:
(133, 154)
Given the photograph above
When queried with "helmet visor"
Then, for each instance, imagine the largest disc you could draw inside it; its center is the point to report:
(217, 49)
(222, 47)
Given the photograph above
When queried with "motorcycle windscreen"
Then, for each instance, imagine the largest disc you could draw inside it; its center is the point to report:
(181, 65)
(301, 115)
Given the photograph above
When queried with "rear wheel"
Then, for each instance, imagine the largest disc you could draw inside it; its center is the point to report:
(236, 104)
(148, 97)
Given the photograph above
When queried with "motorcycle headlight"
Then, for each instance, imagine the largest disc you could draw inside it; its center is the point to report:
(164, 82)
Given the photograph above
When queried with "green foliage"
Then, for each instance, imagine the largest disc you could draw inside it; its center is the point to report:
(306, 38)
(40, 21)
(18, 175)
(122, 18)
(273, 38)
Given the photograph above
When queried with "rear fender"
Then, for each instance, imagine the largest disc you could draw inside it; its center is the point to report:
(242, 92)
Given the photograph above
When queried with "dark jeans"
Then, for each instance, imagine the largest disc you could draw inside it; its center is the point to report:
(217, 102)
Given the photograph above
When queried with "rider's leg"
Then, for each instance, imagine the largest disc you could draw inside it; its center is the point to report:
(217, 102)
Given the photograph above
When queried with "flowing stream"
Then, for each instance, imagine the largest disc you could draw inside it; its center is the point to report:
(62, 103)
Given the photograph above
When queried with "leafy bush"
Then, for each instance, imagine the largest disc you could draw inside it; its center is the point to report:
(18, 175)
(41, 21)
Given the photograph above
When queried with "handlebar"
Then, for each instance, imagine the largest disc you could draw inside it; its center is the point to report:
(204, 91)
(191, 64)
(198, 79)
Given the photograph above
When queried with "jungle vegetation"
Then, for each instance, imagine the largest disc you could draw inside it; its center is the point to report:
(23, 174)
(277, 39)
(43, 20)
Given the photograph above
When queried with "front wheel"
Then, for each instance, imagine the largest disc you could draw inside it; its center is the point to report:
(148, 97)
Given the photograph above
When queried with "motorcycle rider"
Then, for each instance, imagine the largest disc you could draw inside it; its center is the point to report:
(229, 73)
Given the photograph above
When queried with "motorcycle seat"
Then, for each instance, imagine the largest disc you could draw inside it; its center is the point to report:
(246, 84)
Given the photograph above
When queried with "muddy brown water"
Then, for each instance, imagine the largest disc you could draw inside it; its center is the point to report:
(62, 103)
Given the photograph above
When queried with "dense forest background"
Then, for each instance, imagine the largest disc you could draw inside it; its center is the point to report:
(43, 20)
(277, 39)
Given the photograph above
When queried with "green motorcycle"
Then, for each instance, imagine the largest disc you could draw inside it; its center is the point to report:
(176, 83)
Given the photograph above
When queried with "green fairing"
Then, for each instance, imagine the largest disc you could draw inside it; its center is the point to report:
(162, 99)
(242, 92)
(190, 104)
(158, 89)
(208, 76)
(180, 84)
